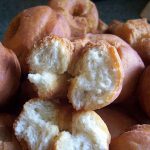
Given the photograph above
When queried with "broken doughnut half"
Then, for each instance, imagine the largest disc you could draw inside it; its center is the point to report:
(48, 63)
(97, 77)
(44, 125)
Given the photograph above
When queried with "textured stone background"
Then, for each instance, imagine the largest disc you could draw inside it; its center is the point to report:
(108, 9)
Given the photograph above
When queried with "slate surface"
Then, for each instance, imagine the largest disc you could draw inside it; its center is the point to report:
(108, 9)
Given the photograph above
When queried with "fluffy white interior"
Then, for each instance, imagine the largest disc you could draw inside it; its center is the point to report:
(37, 125)
(77, 142)
(50, 57)
(96, 79)
(44, 81)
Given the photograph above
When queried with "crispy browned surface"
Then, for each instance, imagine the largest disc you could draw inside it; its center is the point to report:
(144, 91)
(9, 74)
(30, 26)
(137, 138)
(136, 33)
(82, 15)
(132, 64)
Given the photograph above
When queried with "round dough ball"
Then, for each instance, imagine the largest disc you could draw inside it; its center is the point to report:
(144, 91)
(30, 26)
(9, 74)
(117, 121)
(138, 138)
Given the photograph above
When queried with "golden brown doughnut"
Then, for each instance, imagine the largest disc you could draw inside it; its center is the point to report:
(131, 62)
(9, 74)
(138, 138)
(48, 64)
(144, 91)
(82, 15)
(137, 33)
(44, 125)
(30, 26)
(7, 138)
(116, 120)
(97, 77)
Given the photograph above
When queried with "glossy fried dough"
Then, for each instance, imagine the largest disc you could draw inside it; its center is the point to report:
(97, 77)
(30, 26)
(144, 91)
(9, 74)
(138, 138)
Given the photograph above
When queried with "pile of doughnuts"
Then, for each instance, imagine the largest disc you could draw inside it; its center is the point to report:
(74, 81)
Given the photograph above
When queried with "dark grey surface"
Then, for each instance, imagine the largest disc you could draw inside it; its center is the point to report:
(108, 9)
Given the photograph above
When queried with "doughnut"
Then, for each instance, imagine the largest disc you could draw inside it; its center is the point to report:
(137, 33)
(30, 26)
(82, 15)
(8, 140)
(97, 76)
(132, 64)
(144, 91)
(9, 74)
(45, 125)
(138, 138)
(48, 64)
(116, 120)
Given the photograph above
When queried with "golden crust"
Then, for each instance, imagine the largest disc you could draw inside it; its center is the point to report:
(30, 26)
(144, 92)
(131, 62)
(136, 33)
(136, 139)
(79, 69)
(82, 15)
(9, 74)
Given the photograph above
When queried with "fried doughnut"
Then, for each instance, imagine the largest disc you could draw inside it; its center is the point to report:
(9, 74)
(144, 91)
(82, 15)
(131, 62)
(116, 120)
(97, 77)
(30, 26)
(48, 63)
(136, 33)
(44, 125)
(7, 138)
(138, 138)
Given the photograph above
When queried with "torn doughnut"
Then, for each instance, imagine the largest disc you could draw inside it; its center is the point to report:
(48, 63)
(137, 33)
(133, 65)
(29, 27)
(82, 15)
(97, 77)
(44, 125)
